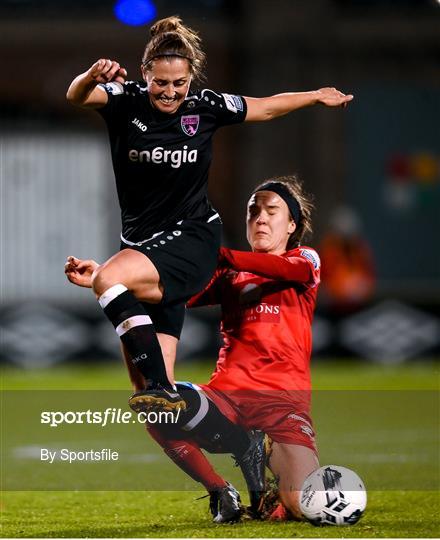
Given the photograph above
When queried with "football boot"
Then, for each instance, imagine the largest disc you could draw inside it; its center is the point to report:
(156, 398)
(253, 466)
(225, 504)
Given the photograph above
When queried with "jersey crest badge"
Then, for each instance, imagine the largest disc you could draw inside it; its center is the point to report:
(114, 88)
(190, 124)
(233, 103)
(312, 256)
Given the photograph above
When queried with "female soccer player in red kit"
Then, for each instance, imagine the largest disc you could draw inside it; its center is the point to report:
(268, 296)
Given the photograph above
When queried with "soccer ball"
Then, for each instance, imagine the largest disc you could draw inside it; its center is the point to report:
(333, 495)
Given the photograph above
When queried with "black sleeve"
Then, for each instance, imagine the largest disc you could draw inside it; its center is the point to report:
(117, 94)
(227, 108)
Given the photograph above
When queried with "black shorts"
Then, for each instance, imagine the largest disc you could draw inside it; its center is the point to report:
(186, 258)
(167, 319)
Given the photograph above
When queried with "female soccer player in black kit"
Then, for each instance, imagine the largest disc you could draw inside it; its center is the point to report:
(161, 144)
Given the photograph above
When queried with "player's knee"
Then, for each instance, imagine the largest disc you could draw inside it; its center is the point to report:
(105, 276)
(101, 280)
(111, 273)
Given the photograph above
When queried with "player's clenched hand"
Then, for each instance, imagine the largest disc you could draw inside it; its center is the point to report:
(80, 272)
(333, 97)
(106, 70)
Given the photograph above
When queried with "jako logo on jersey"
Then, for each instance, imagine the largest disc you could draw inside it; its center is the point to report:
(159, 155)
(312, 256)
(190, 124)
(139, 124)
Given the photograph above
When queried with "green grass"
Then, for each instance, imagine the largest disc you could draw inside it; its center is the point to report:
(380, 421)
(172, 514)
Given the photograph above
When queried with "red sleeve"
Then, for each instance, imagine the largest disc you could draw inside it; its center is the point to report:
(301, 264)
(210, 295)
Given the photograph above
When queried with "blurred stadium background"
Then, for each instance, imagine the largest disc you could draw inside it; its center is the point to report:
(374, 168)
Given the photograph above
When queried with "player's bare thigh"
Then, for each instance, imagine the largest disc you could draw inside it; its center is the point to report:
(292, 463)
(134, 270)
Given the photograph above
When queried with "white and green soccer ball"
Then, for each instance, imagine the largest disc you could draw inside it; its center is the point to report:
(333, 495)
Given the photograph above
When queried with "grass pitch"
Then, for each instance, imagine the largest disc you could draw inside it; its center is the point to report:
(382, 422)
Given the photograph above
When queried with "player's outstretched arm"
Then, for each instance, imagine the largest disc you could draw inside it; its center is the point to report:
(84, 91)
(268, 265)
(80, 272)
(267, 108)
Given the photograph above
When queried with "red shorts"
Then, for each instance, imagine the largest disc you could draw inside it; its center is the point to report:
(283, 415)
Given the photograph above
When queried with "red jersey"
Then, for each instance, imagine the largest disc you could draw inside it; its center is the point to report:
(267, 310)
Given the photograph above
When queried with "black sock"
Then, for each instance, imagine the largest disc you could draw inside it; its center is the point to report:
(135, 328)
(232, 438)
(203, 419)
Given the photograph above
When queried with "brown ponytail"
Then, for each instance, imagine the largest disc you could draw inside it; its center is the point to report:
(170, 37)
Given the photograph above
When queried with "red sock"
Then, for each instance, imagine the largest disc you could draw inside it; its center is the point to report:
(279, 514)
(187, 455)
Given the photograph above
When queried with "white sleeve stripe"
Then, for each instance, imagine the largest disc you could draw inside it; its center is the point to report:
(202, 93)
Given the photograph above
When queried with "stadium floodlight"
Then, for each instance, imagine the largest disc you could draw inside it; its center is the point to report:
(135, 12)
